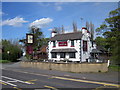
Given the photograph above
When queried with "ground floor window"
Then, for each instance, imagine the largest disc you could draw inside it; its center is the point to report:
(54, 55)
(62, 55)
(72, 55)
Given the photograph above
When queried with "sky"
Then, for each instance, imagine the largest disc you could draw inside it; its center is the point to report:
(18, 17)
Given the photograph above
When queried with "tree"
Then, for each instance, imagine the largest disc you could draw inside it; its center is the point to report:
(91, 27)
(63, 30)
(110, 29)
(74, 27)
(44, 41)
(38, 35)
(100, 41)
(10, 51)
(39, 39)
(87, 25)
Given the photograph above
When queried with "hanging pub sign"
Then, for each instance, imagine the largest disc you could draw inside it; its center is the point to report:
(30, 38)
(29, 49)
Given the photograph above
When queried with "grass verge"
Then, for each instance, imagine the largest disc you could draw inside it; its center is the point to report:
(114, 68)
(4, 61)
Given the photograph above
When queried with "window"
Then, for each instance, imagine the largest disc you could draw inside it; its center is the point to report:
(54, 55)
(54, 45)
(72, 43)
(84, 45)
(62, 55)
(92, 43)
(72, 55)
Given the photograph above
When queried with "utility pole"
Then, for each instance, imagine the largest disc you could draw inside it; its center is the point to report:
(8, 52)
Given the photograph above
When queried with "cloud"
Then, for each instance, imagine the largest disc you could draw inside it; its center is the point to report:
(50, 29)
(97, 3)
(41, 23)
(60, 0)
(1, 13)
(17, 21)
(58, 8)
(44, 4)
(69, 29)
(59, 3)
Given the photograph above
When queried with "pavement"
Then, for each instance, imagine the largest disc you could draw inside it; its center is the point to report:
(110, 76)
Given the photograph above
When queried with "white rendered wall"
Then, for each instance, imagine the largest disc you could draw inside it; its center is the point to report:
(85, 54)
(76, 47)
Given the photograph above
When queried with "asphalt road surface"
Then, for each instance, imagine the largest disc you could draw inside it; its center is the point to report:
(21, 80)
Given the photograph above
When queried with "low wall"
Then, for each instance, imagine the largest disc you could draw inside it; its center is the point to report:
(70, 67)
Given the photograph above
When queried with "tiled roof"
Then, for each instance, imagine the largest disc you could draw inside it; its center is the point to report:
(95, 51)
(42, 49)
(67, 36)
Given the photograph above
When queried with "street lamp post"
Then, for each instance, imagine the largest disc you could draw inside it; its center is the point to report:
(30, 41)
(8, 52)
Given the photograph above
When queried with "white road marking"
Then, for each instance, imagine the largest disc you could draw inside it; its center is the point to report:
(66, 75)
(8, 83)
(84, 77)
(15, 80)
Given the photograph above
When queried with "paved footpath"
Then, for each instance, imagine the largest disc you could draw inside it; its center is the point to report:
(110, 76)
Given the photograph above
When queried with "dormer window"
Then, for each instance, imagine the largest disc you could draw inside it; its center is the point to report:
(54, 45)
(72, 43)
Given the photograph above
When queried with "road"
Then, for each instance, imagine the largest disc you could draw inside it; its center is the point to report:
(20, 80)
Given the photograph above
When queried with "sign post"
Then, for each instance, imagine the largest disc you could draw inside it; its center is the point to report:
(29, 42)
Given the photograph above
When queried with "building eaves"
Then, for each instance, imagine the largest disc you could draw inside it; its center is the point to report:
(95, 51)
(64, 50)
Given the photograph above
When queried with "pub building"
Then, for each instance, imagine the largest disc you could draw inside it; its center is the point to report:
(74, 46)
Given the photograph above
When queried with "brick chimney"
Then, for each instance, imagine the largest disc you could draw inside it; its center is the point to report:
(84, 30)
(53, 33)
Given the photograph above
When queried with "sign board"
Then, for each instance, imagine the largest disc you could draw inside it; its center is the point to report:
(63, 43)
(29, 49)
(30, 38)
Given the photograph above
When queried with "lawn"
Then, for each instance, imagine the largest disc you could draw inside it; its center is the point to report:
(4, 61)
(114, 67)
